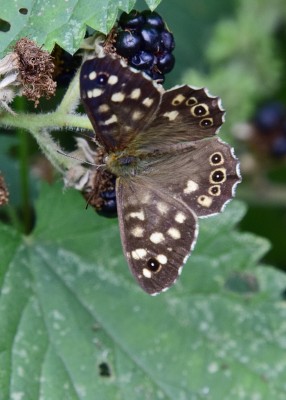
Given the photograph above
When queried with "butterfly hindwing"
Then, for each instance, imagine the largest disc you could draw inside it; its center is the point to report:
(203, 175)
(158, 233)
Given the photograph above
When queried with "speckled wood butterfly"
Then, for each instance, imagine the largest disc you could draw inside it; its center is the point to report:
(170, 166)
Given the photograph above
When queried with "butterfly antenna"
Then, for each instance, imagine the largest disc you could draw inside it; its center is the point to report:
(97, 166)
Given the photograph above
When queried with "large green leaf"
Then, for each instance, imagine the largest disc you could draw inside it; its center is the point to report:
(75, 325)
(51, 21)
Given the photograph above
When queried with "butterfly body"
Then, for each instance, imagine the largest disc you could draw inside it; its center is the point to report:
(171, 167)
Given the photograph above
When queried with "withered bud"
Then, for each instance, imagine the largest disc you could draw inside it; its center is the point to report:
(35, 70)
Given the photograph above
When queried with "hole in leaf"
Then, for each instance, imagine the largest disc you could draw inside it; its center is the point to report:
(104, 370)
(23, 11)
(4, 26)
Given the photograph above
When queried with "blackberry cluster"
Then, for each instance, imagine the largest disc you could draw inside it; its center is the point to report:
(109, 206)
(270, 123)
(143, 39)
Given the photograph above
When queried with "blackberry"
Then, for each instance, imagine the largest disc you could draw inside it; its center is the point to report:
(146, 43)
(153, 19)
(165, 62)
(109, 206)
(99, 191)
(167, 42)
(142, 60)
(133, 20)
(269, 117)
(151, 38)
(279, 146)
(128, 43)
(155, 75)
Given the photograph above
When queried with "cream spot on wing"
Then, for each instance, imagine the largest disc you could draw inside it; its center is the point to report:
(191, 187)
(162, 259)
(135, 94)
(112, 80)
(111, 120)
(148, 102)
(172, 115)
(157, 237)
(138, 254)
(180, 217)
(162, 207)
(137, 115)
(178, 99)
(205, 201)
(103, 108)
(118, 97)
(174, 233)
(147, 273)
(138, 231)
(145, 199)
(92, 75)
(96, 92)
(139, 214)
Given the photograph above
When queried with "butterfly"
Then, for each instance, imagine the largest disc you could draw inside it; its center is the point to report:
(170, 166)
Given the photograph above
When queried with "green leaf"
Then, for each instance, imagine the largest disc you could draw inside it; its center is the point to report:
(75, 325)
(49, 22)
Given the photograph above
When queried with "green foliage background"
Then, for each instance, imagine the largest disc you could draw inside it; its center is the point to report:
(73, 323)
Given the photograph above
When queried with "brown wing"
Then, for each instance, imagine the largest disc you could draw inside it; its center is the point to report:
(119, 101)
(203, 174)
(157, 231)
(128, 110)
(185, 114)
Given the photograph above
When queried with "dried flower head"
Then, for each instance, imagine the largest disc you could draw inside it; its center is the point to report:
(35, 70)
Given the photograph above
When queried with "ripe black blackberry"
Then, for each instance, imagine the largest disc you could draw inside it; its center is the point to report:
(144, 40)
(270, 128)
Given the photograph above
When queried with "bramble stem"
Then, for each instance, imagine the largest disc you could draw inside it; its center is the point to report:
(40, 125)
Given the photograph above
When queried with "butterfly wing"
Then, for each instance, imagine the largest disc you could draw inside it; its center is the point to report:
(119, 101)
(185, 114)
(128, 109)
(203, 174)
(158, 232)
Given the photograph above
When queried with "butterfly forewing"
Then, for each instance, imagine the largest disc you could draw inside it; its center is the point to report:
(118, 101)
(185, 114)
(157, 232)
